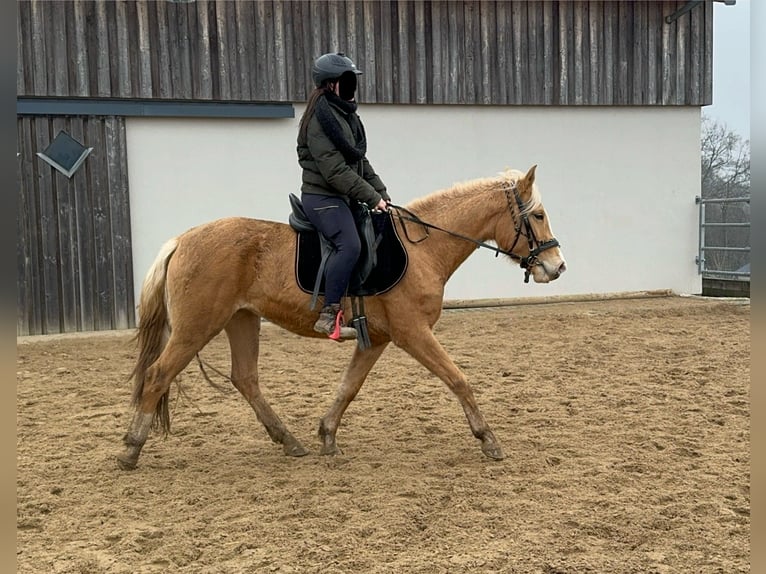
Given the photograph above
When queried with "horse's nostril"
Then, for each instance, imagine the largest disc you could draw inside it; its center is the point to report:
(562, 268)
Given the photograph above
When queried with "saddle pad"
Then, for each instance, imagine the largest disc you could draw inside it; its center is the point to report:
(391, 255)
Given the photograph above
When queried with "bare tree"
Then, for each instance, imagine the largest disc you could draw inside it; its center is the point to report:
(725, 175)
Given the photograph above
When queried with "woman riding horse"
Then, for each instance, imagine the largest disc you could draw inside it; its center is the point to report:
(336, 176)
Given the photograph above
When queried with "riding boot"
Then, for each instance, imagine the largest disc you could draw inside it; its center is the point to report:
(330, 323)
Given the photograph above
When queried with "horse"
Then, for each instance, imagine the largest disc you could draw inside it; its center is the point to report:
(228, 274)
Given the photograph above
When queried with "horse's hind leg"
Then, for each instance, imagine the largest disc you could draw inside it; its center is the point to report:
(356, 373)
(175, 356)
(243, 331)
(424, 347)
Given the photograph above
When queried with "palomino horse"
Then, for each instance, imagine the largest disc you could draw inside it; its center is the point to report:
(228, 274)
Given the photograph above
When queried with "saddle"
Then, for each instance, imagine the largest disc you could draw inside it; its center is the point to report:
(382, 262)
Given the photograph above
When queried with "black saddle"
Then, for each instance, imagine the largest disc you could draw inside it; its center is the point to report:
(382, 262)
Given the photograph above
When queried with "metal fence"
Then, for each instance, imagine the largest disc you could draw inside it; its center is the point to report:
(704, 267)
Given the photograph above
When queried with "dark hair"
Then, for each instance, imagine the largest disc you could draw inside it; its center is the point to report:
(309, 111)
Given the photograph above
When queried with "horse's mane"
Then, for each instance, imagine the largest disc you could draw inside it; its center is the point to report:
(444, 199)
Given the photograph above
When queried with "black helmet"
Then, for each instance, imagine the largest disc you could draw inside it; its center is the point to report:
(330, 67)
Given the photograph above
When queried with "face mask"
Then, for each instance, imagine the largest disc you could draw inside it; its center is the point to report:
(347, 86)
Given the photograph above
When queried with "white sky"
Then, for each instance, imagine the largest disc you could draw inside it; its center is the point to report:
(731, 67)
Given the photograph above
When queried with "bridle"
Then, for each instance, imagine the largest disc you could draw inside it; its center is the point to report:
(531, 259)
(521, 226)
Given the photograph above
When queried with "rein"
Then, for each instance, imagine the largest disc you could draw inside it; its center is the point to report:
(525, 263)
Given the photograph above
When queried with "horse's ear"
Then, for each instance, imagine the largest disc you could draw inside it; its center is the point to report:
(530, 177)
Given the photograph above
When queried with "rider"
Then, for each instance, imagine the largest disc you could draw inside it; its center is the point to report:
(336, 175)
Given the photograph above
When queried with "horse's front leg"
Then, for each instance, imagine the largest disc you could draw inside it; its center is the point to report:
(424, 347)
(356, 373)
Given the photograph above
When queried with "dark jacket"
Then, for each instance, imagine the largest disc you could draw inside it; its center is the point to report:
(326, 171)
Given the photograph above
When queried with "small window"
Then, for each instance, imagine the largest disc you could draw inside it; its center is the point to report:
(65, 153)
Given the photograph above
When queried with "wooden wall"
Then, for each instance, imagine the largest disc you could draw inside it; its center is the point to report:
(73, 240)
(457, 52)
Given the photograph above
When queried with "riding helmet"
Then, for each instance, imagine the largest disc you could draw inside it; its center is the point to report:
(332, 66)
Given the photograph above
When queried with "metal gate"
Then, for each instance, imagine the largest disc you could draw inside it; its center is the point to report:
(717, 269)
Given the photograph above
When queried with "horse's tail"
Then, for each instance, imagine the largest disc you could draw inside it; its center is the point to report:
(153, 330)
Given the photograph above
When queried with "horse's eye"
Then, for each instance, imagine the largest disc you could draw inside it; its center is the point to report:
(539, 216)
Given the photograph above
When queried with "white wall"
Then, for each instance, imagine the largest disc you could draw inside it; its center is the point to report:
(618, 183)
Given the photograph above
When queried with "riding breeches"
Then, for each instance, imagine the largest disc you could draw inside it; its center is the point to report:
(333, 218)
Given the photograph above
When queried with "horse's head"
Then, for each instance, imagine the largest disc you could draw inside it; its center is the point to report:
(529, 239)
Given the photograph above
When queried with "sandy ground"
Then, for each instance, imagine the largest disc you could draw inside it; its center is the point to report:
(625, 426)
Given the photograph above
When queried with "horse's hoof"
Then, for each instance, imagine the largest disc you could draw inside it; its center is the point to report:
(493, 451)
(295, 450)
(330, 450)
(126, 462)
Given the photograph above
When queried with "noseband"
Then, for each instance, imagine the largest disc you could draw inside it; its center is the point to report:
(525, 263)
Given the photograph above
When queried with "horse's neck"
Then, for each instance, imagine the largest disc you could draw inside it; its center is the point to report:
(462, 210)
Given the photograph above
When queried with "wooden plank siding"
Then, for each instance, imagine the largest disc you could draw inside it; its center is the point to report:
(416, 52)
(73, 243)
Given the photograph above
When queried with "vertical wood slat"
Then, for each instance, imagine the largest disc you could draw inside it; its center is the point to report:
(595, 31)
(261, 84)
(469, 56)
(163, 62)
(23, 225)
(308, 53)
(401, 64)
(243, 17)
(695, 51)
(184, 88)
(119, 223)
(47, 219)
(65, 244)
(533, 59)
(518, 73)
(638, 54)
(487, 41)
(288, 68)
(707, 68)
(122, 49)
(610, 20)
(24, 50)
(220, 62)
(203, 75)
(368, 82)
(145, 48)
(385, 92)
(548, 55)
(80, 59)
(578, 64)
(359, 50)
(101, 272)
(39, 52)
(682, 61)
(333, 27)
(623, 51)
(667, 54)
(279, 57)
(452, 91)
(501, 52)
(29, 304)
(81, 198)
(564, 35)
(421, 53)
(58, 49)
